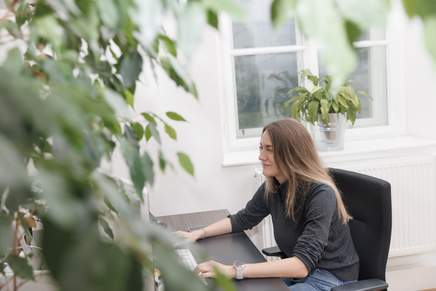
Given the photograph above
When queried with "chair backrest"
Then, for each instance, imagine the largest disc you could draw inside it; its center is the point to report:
(368, 200)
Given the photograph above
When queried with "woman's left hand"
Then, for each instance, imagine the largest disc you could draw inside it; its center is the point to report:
(206, 269)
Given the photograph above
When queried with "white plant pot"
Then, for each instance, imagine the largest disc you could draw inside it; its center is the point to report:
(330, 136)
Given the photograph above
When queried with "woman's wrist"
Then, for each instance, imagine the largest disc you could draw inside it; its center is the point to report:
(199, 234)
(231, 273)
(203, 233)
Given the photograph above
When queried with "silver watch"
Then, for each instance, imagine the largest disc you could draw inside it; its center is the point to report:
(239, 270)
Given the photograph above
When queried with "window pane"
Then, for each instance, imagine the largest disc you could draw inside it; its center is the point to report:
(258, 31)
(262, 82)
(370, 77)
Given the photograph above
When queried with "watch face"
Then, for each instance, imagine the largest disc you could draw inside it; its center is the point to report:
(239, 272)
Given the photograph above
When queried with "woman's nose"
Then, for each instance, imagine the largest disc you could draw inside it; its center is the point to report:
(261, 156)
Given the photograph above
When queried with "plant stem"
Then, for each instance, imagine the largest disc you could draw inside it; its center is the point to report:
(15, 249)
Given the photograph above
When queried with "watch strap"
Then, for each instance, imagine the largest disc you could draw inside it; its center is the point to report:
(239, 270)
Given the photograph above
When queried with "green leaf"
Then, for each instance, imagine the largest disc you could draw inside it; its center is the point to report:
(131, 67)
(223, 281)
(430, 36)
(426, 9)
(175, 276)
(22, 13)
(108, 13)
(175, 73)
(138, 130)
(21, 267)
(162, 161)
(129, 135)
(342, 101)
(325, 106)
(212, 19)
(66, 6)
(151, 130)
(193, 90)
(147, 166)
(112, 193)
(312, 112)
(57, 242)
(351, 115)
(149, 118)
(352, 96)
(129, 97)
(175, 116)
(170, 44)
(11, 27)
(147, 133)
(155, 133)
(325, 110)
(48, 28)
(186, 163)
(319, 93)
(13, 173)
(93, 264)
(353, 31)
(231, 7)
(170, 131)
(64, 207)
(314, 79)
(133, 161)
(335, 105)
(106, 227)
(155, 47)
(6, 234)
(119, 105)
(410, 7)
(296, 109)
(282, 10)
(14, 61)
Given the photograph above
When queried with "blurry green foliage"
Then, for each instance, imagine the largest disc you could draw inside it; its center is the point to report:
(67, 90)
(335, 24)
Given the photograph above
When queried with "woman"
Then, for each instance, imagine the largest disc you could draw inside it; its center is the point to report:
(308, 214)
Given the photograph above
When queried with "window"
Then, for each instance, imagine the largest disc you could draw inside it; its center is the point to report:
(265, 63)
(370, 77)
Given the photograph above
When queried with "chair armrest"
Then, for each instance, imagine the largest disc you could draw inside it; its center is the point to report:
(273, 252)
(363, 285)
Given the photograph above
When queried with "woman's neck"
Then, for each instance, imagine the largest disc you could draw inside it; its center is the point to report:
(280, 179)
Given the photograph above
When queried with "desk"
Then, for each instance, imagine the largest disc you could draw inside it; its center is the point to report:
(226, 248)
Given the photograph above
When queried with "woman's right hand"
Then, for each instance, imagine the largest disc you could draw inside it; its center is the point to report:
(191, 235)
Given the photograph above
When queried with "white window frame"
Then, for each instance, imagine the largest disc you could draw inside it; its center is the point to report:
(260, 51)
(395, 89)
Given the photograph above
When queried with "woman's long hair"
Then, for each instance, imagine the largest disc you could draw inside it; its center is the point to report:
(297, 160)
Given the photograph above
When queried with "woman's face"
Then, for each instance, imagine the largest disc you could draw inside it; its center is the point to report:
(266, 156)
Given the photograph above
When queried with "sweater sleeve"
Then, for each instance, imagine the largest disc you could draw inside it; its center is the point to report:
(320, 208)
(253, 213)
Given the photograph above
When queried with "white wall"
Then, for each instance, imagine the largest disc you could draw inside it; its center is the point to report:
(421, 84)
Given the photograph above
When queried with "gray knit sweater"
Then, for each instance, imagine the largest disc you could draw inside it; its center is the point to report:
(316, 236)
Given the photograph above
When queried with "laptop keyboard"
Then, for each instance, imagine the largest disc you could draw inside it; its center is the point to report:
(189, 261)
(187, 258)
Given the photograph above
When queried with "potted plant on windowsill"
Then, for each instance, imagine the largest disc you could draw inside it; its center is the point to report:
(325, 110)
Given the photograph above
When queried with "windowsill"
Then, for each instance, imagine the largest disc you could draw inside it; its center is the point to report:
(352, 150)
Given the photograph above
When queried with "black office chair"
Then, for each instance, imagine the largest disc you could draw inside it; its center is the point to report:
(368, 200)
